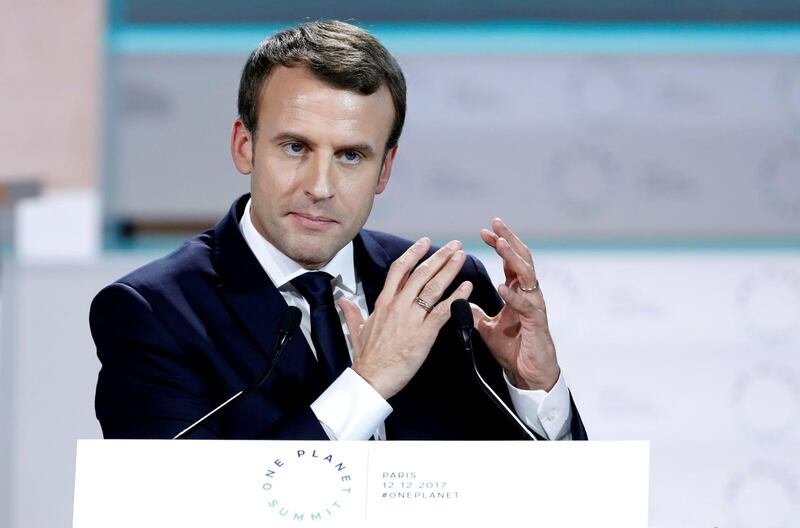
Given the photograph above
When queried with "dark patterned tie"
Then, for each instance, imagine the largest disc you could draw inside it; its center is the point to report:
(326, 328)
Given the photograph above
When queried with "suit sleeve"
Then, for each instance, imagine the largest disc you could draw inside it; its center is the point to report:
(151, 387)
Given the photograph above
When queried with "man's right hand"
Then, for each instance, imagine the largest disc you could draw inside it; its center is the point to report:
(391, 344)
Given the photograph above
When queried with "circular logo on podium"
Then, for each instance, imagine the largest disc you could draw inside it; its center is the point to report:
(308, 486)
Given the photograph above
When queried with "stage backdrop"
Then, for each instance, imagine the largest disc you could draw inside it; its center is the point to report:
(695, 351)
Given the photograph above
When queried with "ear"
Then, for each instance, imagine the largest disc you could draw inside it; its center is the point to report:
(386, 170)
(242, 144)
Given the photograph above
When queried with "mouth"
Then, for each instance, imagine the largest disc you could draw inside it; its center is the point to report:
(310, 221)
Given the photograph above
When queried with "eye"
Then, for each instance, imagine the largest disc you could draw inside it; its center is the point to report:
(351, 157)
(294, 149)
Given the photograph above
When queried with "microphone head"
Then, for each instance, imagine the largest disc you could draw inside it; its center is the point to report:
(461, 314)
(290, 321)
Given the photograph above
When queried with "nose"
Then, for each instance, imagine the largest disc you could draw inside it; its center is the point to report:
(318, 182)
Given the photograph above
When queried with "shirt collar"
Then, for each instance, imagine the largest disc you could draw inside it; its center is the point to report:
(281, 269)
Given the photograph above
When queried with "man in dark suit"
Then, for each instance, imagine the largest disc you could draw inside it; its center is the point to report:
(321, 108)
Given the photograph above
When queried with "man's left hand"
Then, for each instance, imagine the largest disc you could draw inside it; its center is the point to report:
(518, 336)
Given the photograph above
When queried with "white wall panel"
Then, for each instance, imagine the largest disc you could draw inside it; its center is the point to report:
(696, 352)
(654, 147)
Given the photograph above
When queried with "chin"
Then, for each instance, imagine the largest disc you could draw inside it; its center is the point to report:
(311, 257)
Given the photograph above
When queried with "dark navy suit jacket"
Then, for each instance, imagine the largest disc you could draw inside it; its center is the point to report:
(185, 332)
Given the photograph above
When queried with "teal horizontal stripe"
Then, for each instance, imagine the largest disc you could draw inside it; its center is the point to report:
(471, 244)
(487, 38)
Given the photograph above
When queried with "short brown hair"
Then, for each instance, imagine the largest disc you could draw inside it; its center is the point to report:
(337, 53)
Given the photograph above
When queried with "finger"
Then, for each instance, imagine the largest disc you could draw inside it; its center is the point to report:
(521, 269)
(489, 237)
(525, 305)
(502, 230)
(354, 320)
(441, 312)
(480, 320)
(400, 268)
(521, 274)
(428, 269)
(492, 239)
(478, 315)
(497, 332)
(435, 287)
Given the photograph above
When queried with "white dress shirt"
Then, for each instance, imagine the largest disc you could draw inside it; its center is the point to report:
(350, 409)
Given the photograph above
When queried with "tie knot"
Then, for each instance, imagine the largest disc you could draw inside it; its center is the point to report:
(316, 287)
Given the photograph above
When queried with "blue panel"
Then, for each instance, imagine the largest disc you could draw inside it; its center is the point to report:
(511, 38)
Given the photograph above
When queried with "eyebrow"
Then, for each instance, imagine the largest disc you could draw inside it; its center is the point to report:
(364, 148)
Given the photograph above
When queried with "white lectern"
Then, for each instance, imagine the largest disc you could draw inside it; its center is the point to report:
(155, 483)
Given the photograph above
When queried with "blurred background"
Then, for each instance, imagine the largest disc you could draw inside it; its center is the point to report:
(648, 152)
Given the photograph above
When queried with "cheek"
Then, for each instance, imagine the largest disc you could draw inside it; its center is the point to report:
(274, 177)
(358, 197)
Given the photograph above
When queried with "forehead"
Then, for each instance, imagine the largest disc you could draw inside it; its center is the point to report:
(294, 100)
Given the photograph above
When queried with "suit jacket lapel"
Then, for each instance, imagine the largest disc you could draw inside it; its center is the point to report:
(252, 298)
(372, 264)
(255, 301)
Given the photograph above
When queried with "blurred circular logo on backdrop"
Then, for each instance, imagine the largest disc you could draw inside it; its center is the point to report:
(584, 179)
(600, 92)
(769, 302)
(778, 179)
(787, 90)
(766, 401)
(763, 496)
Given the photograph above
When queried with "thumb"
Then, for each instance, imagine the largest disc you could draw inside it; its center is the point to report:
(479, 318)
(354, 321)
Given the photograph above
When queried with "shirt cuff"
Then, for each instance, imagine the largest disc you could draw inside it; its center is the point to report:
(547, 413)
(350, 409)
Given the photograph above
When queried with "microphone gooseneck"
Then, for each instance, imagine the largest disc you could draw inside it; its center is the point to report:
(287, 327)
(461, 315)
(290, 322)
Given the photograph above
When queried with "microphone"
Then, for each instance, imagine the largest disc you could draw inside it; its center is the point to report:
(461, 314)
(289, 323)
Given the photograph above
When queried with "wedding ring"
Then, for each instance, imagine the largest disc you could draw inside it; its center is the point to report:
(531, 289)
(425, 305)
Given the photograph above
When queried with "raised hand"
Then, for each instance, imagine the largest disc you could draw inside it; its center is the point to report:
(391, 344)
(518, 336)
